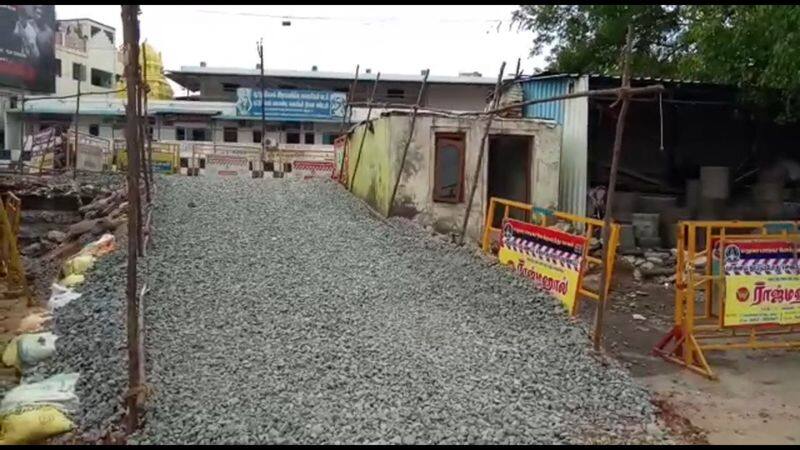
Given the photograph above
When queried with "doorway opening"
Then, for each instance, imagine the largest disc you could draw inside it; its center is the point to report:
(509, 172)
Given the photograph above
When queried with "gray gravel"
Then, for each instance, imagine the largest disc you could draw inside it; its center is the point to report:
(92, 341)
(281, 311)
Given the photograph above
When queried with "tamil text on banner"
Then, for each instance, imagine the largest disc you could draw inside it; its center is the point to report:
(291, 104)
(550, 257)
(762, 283)
(227, 166)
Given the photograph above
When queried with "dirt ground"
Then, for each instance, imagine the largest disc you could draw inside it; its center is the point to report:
(754, 401)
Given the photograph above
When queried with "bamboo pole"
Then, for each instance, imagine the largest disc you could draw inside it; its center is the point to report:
(77, 119)
(363, 139)
(476, 175)
(347, 115)
(654, 89)
(147, 133)
(130, 27)
(408, 141)
(624, 94)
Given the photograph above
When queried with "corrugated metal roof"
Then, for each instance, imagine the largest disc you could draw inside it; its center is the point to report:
(552, 75)
(348, 76)
(545, 88)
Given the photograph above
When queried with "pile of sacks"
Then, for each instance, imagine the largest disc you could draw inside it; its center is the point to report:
(34, 411)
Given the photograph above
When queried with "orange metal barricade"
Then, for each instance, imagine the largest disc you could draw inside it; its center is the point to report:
(546, 217)
(701, 269)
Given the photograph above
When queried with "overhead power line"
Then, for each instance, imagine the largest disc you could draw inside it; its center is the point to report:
(351, 19)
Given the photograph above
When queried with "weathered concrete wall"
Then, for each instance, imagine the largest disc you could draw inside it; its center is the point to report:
(415, 193)
(375, 176)
(382, 154)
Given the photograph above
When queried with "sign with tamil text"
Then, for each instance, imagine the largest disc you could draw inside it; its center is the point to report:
(550, 257)
(762, 283)
(291, 104)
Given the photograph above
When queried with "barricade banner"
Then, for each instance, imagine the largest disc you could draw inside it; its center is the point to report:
(550, 257)
(311, 169)
(92, 151)
(227, 166)
(762, 283)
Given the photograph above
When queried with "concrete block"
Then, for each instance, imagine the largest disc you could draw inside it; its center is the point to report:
(625, 204)
(649, 242)
(692, 196)
(655, 203)
(645, 225)
(714, 182)
(627, 239)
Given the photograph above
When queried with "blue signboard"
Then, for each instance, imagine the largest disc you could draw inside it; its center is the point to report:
(291, 104)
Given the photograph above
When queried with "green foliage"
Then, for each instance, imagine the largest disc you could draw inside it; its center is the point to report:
(756, 47)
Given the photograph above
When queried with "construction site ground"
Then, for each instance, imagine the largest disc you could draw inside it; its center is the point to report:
(754, 401)
(286, 311)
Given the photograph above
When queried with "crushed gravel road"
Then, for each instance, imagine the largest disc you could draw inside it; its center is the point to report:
(282, 311)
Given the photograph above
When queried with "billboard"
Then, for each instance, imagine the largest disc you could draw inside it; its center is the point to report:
(291, 104)
(27, 48)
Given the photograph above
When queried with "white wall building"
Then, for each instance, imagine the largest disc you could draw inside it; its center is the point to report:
(86, 49)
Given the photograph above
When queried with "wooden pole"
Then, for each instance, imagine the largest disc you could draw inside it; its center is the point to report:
(22, 135)
(130, 28)
(346, 116)
(142, 94)
(260, 169)
(654, 89)
(612, 181)
(77, 119)
(147, 133)
(477, 174)
(408, 141)
(361, 145)
(140, 143)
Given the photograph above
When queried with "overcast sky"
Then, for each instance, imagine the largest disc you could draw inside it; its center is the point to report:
(393, 39)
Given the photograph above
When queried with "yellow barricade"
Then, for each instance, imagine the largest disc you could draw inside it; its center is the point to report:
(545, 218)
(11, 269)
(749, 278)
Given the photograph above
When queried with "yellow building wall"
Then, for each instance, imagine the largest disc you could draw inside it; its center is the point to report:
(374, 178)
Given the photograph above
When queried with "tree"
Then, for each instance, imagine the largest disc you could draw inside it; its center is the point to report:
(588, 38)
(755, 47)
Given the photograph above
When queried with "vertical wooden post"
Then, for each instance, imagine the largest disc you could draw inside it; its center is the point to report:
(77, 119)
(260, 169)
(139, 142)
(624, 96)
(22, 135)
(369, 114)
(408, 141)
(142, 94)
(477, 174)
(348, 109)
(147, 133)
(130, 27)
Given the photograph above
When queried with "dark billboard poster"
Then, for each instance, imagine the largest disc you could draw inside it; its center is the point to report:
(27, 48)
